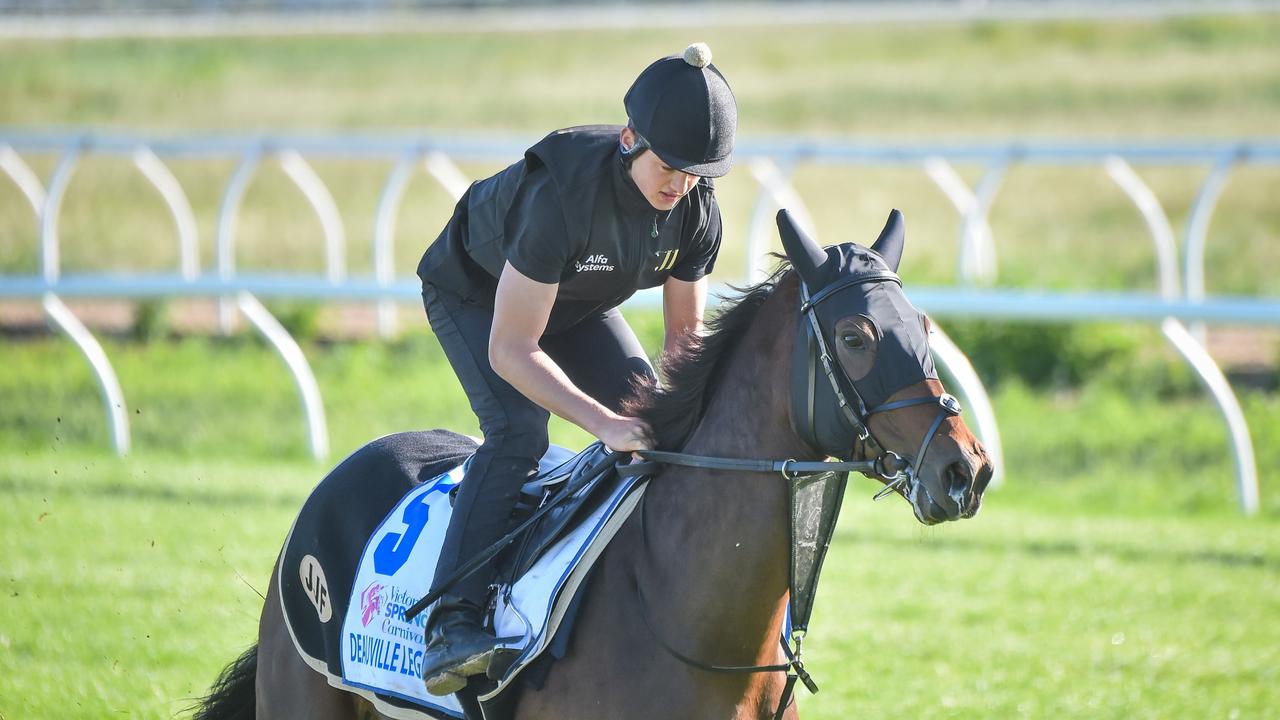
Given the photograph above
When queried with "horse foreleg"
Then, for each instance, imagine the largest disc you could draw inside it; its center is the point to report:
(287, 688)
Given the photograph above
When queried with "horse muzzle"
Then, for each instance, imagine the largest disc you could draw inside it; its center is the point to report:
(955, 492)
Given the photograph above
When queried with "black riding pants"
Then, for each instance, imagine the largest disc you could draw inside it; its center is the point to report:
(600, 355)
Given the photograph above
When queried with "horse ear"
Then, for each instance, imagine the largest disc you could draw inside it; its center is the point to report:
(889, 244)
(805, 255)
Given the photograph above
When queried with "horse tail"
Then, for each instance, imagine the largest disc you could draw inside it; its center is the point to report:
(232, 696)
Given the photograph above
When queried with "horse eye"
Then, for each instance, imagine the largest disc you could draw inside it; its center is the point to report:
(853, 341)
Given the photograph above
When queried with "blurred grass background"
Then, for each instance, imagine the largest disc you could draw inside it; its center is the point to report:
(1112, 577)
(1197, 76)
(1200, 78)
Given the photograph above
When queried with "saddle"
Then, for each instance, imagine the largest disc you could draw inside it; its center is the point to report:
(363, 550)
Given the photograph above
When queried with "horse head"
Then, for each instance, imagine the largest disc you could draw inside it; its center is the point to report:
(863, 384)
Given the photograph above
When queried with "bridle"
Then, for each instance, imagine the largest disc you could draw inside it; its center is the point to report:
(898, 473)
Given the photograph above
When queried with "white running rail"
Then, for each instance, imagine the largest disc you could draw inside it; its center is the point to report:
(1181, 299)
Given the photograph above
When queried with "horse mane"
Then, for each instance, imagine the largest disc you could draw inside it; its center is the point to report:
(675, 408)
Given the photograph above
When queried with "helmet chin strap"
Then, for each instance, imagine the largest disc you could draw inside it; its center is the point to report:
(638, 146)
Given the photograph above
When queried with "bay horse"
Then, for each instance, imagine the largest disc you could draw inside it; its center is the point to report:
(707, 551)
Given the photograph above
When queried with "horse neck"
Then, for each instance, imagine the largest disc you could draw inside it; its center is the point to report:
(749, 414)
(720, 540)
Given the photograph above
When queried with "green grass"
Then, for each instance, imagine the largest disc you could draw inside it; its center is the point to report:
(1035, 614)
(1198, 76)
(128, 584)
(230, 398)
(121, 591)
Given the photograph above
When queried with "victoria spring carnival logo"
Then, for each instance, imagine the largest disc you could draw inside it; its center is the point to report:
(594, 263)
(370, 602)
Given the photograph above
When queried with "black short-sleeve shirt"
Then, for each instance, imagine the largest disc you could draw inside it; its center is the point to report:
(598, 254)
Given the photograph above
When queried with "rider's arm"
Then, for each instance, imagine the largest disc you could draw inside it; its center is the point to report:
(684, 294)
(521, 309)
(683, 304)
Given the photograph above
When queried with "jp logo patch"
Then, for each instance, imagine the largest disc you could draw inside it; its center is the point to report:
(316, 587)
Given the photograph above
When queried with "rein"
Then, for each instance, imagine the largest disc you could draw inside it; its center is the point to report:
(888, 465)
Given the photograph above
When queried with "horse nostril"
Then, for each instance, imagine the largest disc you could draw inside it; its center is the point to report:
(957, 479)
(984, 476)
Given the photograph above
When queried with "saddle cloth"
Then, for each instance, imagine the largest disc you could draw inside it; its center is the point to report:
(345, 607)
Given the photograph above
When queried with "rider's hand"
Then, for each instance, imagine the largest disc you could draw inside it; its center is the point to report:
(625, 433)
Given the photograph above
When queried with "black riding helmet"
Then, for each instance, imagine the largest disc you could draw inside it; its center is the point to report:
(683, 110)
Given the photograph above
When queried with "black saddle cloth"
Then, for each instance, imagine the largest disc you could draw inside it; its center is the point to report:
(339, 516)
(319, 561)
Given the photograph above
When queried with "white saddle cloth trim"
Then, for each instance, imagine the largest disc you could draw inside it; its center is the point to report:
(382, 652)
(529, 608)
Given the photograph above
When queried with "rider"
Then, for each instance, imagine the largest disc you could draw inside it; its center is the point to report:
(522, 286)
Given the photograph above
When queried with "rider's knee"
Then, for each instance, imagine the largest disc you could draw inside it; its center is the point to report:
(524, 443)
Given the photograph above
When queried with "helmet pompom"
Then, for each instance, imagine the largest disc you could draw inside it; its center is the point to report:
(698, 55)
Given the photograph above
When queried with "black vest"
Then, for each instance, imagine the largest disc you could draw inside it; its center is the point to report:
(613, 241)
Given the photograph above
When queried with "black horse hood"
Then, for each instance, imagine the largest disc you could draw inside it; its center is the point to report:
(849, 279)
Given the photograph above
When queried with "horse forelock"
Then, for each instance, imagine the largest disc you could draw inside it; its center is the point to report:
(693, 373)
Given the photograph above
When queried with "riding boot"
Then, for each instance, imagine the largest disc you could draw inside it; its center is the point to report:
(457, 646)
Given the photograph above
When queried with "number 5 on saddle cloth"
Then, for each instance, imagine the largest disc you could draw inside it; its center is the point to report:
(367, 541)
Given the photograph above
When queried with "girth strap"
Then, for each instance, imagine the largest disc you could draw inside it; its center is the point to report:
(794, 667)
(693, 662)
(785, 701)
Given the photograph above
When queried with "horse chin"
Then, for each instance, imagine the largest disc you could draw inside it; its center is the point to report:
(927, 510)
